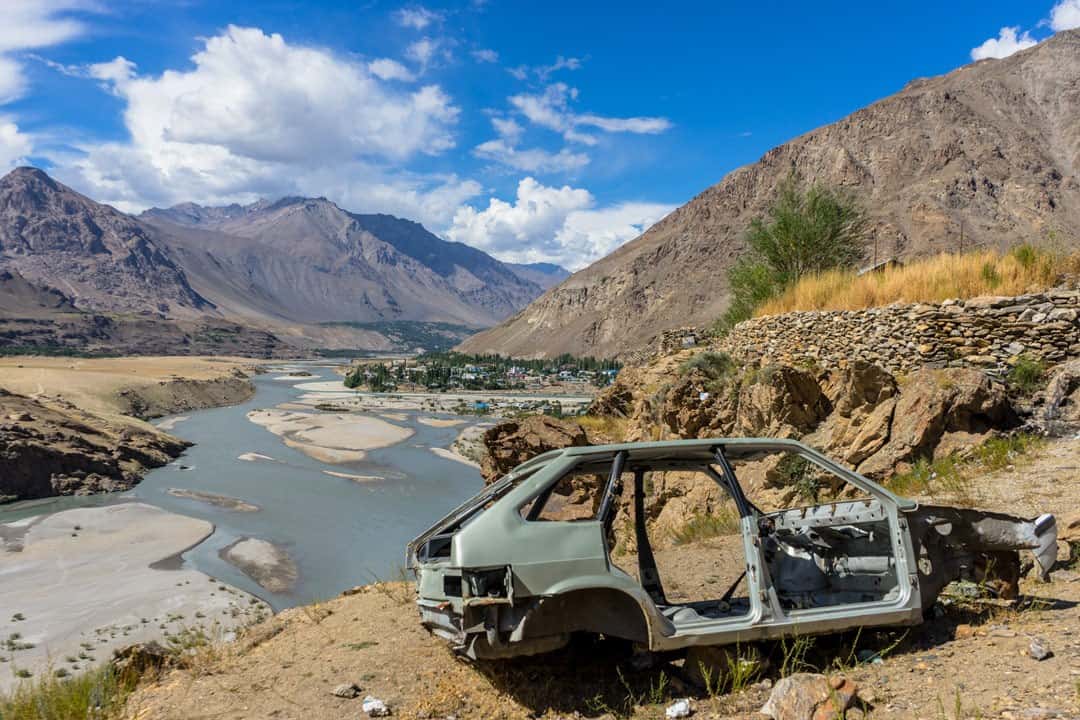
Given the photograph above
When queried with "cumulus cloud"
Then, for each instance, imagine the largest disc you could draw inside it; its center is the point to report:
(387, 69)
(551, 224)
(15, 146)
(418, 17)
(1065, 15)
(551, 109)
(257, 116)
(1008, 41)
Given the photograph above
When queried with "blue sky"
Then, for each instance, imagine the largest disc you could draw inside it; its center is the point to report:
(535, 130)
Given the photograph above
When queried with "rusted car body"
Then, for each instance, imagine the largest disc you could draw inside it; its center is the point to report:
(495, 581)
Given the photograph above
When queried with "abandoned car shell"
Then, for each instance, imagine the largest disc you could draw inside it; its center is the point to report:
(496, 581)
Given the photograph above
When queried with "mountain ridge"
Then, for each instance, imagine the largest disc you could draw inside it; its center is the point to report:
(301, 268)
(991, 147)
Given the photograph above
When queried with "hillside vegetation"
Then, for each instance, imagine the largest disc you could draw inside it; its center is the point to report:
(950, 275)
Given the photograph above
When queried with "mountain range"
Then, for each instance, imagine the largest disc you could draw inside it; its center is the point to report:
(302, 268)
(984, 156)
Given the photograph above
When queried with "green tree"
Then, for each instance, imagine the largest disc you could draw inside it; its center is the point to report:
(806, 230)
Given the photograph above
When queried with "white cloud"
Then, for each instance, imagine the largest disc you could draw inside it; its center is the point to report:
(114, 73)
(551, 109)
(531, 160)
(387, 69)
(417, 18)
(549, 224)
(28, 24)
(257, 116)
(426, 50)
(1065, 15)
(485, 56)
(15, 146)
(507, 128)
(561, 63)
(520, 72)
(1005, 44)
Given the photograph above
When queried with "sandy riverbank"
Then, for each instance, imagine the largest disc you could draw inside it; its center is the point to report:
(98, 385)
(330, 438)
(89, 580)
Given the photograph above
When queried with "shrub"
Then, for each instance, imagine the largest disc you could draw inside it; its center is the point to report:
(717, 367)
(1026, 374)
(804, 232)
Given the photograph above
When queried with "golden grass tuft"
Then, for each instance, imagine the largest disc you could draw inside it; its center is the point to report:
(1022, 270)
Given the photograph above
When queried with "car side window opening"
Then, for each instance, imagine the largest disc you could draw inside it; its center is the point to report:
(690, 559)
(826, 542)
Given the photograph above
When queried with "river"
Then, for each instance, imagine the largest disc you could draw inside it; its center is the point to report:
(340, 532)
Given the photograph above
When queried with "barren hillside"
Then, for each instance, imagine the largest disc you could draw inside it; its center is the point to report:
(989, 151)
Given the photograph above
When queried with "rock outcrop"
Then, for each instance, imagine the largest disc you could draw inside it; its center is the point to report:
(48, 450)
(511, 443)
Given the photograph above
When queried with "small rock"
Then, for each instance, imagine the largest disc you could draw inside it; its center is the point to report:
(1064, 576)
(1062, 315)
(374, 707)
(963, 631)
(679, 709)
(810, 696)
(1040, 649)
(346, 690)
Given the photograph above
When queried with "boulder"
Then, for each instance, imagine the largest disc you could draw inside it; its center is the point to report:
(616, 400)
(784, 401)
(511, 443)
(810, 696)
(935, 402)
(1059, 411)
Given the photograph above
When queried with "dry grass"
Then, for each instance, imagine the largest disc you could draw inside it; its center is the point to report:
(606, 426)
(1024, 269)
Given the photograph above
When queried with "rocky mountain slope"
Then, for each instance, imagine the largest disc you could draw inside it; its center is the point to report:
(989, 151)
(299, 271)
(307, 260)
(546, 275)
(103, 259)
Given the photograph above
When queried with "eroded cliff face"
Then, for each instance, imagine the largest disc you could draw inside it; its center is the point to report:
(57, 449)
(993, 147)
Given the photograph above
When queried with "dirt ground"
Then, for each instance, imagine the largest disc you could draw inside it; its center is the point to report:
(969, 660)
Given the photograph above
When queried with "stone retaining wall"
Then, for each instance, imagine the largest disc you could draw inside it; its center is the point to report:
(989, 333)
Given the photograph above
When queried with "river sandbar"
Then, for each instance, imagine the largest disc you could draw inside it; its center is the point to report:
(330, 438)
(222, 501)
(83, 581)
(264, 562)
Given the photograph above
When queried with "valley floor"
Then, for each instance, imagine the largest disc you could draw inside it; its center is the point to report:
(960, 664)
